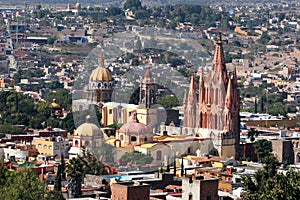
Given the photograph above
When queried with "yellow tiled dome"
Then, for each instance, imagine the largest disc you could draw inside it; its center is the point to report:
(54, 104)
(101, 74)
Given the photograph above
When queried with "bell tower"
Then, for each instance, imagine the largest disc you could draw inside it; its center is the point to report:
(147, 109)
(147, 91)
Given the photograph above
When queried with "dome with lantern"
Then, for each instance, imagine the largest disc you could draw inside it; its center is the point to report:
(101, 83)
(89, 129)
(134, 133)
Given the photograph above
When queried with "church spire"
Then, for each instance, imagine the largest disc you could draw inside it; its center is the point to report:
(219, 65)
(236, 90)
(192, 91)
(184, 98)
(201, 87)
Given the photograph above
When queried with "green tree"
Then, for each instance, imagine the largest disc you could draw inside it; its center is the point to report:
(11, 129)
(57, 184)
(62, 97)
(267, 184)
(75, 177)
(51, 39)
(132, 5)
(263, 148)
(264, 38)
(136, 158)
(113, 11)
(168, 101)
(78, 167)
(68, 123)
(23, 184)
(3, 173)
(105, 152)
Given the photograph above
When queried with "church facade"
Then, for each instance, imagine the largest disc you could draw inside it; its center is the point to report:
(213, 111)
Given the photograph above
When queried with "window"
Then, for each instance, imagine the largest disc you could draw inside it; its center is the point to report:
(145, 139)
(45, 146)
(158, 155)
(50, 147)
(133, 139)
(39, 146)
(122, 137)
(110, 111)
(190, 197)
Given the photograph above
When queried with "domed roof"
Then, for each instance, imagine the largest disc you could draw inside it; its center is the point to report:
(134, 126)
(54, 104)
(88, 129)
(101, 74)
(78, 5)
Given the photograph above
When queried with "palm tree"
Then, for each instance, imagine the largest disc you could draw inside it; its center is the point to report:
(75, 174)
(78, 167)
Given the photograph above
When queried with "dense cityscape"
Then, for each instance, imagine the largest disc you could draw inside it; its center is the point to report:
(140, 100)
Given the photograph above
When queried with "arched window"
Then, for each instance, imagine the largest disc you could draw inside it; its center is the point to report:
(133, 139)
(50, 147)
(158, 155)
(76, 143)
(145, 139)
(39, 146)
(45, 146)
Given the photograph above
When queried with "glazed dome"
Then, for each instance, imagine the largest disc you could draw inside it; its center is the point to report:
(88, 129)
(54, 104)
(100, 74)
(134, 126)
(78, 5)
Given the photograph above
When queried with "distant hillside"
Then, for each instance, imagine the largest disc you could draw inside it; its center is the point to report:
(149, 3)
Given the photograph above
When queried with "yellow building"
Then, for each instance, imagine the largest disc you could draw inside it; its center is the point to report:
(51, 146)
(117, 113)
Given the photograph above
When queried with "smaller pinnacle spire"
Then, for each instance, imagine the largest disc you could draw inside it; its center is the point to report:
(201, 80)
(229, 93)
(192, 91)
